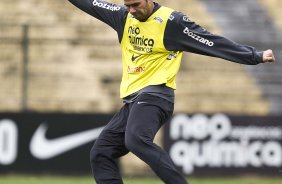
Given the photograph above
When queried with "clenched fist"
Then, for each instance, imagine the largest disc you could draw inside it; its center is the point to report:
(268, 56)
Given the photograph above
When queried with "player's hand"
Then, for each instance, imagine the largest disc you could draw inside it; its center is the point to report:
(268, 56)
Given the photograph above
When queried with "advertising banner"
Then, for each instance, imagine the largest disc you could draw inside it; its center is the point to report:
(50, 143)
(225, 145)
(198, 144)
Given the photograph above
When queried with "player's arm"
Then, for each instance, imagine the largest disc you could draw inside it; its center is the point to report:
(183, 34)
(111, 14)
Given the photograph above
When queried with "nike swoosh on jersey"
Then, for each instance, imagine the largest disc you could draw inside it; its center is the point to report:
(43, 148)
(133, 58)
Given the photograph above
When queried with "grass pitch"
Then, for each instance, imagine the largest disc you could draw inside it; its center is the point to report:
(16, 179)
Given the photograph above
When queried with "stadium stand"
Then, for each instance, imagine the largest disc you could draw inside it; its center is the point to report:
(274, 9)
(73, 57)
(271, 82)
(61, 51)
(253, 23)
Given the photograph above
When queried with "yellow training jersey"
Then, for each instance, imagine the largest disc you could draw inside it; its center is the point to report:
(145, 59)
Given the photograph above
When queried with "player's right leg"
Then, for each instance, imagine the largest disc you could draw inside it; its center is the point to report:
(108, 148)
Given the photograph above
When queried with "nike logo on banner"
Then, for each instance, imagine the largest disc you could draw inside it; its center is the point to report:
(43, 148)
(134, 57)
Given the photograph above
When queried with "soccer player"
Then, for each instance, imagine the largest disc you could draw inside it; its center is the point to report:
(152, 38)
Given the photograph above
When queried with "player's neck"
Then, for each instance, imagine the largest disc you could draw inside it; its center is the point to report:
(151, 10)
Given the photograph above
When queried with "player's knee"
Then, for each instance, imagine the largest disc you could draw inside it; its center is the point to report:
(95, 155)
(133, 142)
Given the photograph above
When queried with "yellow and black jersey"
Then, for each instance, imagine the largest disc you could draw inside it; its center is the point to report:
(152, 49)
(145, 59)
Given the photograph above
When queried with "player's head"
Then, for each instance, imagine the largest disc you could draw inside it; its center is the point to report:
(140, 9)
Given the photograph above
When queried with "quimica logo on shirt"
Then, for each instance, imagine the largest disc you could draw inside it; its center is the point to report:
(138, 41)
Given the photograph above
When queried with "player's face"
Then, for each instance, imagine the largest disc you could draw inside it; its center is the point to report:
(140, 9)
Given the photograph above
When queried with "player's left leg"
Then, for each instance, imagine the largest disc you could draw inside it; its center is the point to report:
(147, 114)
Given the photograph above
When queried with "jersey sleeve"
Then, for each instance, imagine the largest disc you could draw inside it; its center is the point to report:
(111, 14)
(182, 34)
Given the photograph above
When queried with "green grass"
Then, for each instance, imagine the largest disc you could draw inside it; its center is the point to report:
(15, 179)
